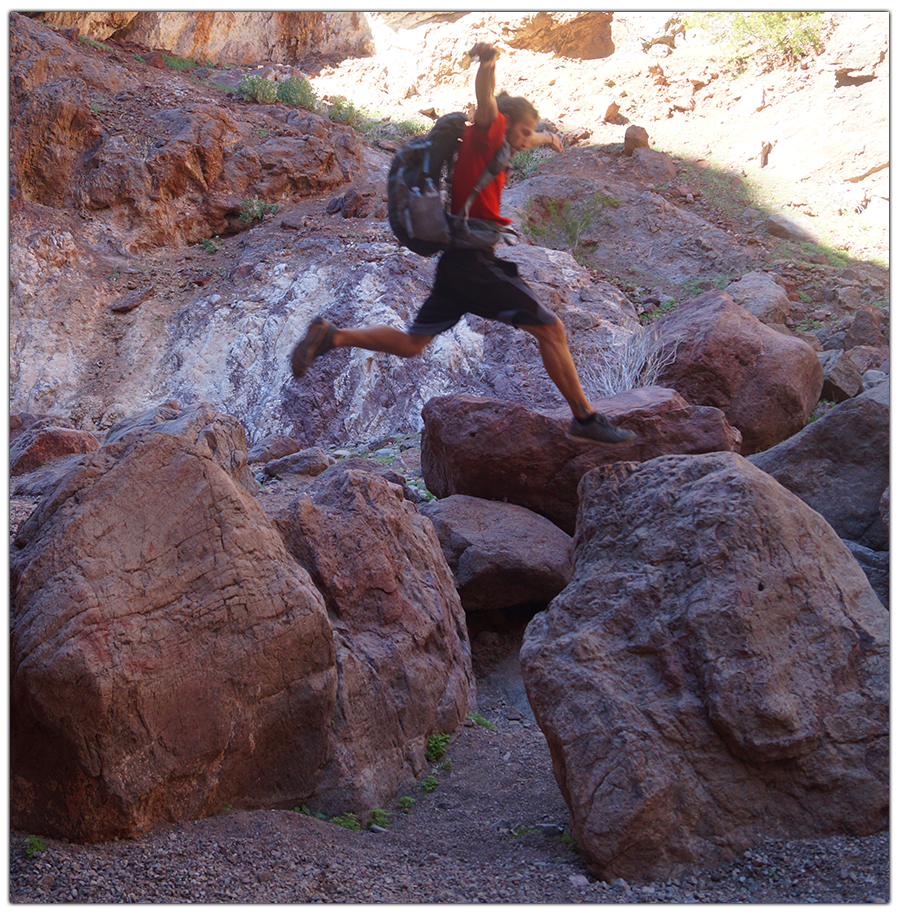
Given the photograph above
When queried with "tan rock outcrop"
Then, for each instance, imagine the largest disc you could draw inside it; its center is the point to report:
(716, 672)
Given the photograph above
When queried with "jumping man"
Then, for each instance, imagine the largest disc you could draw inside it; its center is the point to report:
(475, 280)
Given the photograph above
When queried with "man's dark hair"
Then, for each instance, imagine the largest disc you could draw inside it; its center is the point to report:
(516, 108)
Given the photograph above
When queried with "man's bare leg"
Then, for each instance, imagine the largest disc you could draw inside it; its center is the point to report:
(383, 338)
(587, 424)
(322, 337)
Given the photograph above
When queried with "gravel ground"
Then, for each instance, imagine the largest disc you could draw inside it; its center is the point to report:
(493, 831)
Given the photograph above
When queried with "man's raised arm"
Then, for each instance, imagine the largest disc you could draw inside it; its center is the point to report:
(485, 81)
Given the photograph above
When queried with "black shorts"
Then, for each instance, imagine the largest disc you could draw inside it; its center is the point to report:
(470, 280)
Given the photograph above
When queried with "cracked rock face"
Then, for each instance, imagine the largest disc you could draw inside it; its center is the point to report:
(170, 657)
(715, 673)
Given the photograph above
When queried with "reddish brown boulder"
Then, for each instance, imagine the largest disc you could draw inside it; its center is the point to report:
(402, 649)
(168, 656)
(501, 451)
(767, 383)
(839, 465)
(716, 673)
(44, 442)
(501, 555)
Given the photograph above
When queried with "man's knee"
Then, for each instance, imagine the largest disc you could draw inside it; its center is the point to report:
(415, 344)
(552, 332)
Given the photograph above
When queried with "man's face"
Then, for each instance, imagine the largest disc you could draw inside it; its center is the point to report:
(518, 134)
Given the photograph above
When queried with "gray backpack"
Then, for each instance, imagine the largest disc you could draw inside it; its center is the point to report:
(417, 213)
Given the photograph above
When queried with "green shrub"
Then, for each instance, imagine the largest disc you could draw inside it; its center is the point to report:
(566, 223)
(430, 784)
(346, 112)
(436, 746)
(297, 93)
(744, 34)
(380, 818)
(34, 845)
(258, 89)
(178, 63)
(347, 821)
(254, 210)
(476, 718)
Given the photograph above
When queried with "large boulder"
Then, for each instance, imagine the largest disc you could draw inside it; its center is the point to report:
(45, 441)
(500, 451)
(839, 465)
(716, 672)
(767, 383)
(168, 656)
(402, 650)
(501, 555)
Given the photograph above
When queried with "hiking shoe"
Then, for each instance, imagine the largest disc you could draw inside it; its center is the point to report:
(599, 429)
(318, 340)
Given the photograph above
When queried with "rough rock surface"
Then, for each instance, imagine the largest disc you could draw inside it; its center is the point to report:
(402, 651)
(45, 441)
(839, 465)
(762, 297)
(842, 377)
(157, 645)
(500, 451)
(767, 383)
(716, 672)
(501, 555)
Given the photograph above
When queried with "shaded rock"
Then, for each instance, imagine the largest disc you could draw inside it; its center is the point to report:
(274, 446)
(219, 436)
(865, 357)
(168, 657)
(761, 297)
(872, 378)
(792, 227)
(501, 555)
(716, 672)
(838, 465)
(312, 462)
(766, 383)
(884, 508)
(500, 451)
(842, 379)
(382, 471)
(403, 656)
(877, 568)
(44, 442)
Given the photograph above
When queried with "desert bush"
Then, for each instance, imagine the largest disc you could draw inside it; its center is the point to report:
(746, 34)
(566, 223)
(296, 92)
(258, 89)
(632, 365)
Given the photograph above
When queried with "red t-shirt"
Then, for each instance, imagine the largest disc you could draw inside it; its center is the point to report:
(476, 150)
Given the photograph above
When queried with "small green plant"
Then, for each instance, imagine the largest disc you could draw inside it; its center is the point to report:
(209, 245)
(430, 784)
(97, 107)
(306, 811)
(406, 802)
(476, 718)
(34, 845)
(226, 810)
(520, 831)
(567, 838)
(297, 93)
(139, 58)
(380, 818)
(347, 821)
(254, 209)
(346, 112)
(178, 63)
(93, 43)
(258, 89)
(524, 164)
(436, 746)
(566, 222)
(446, 765)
